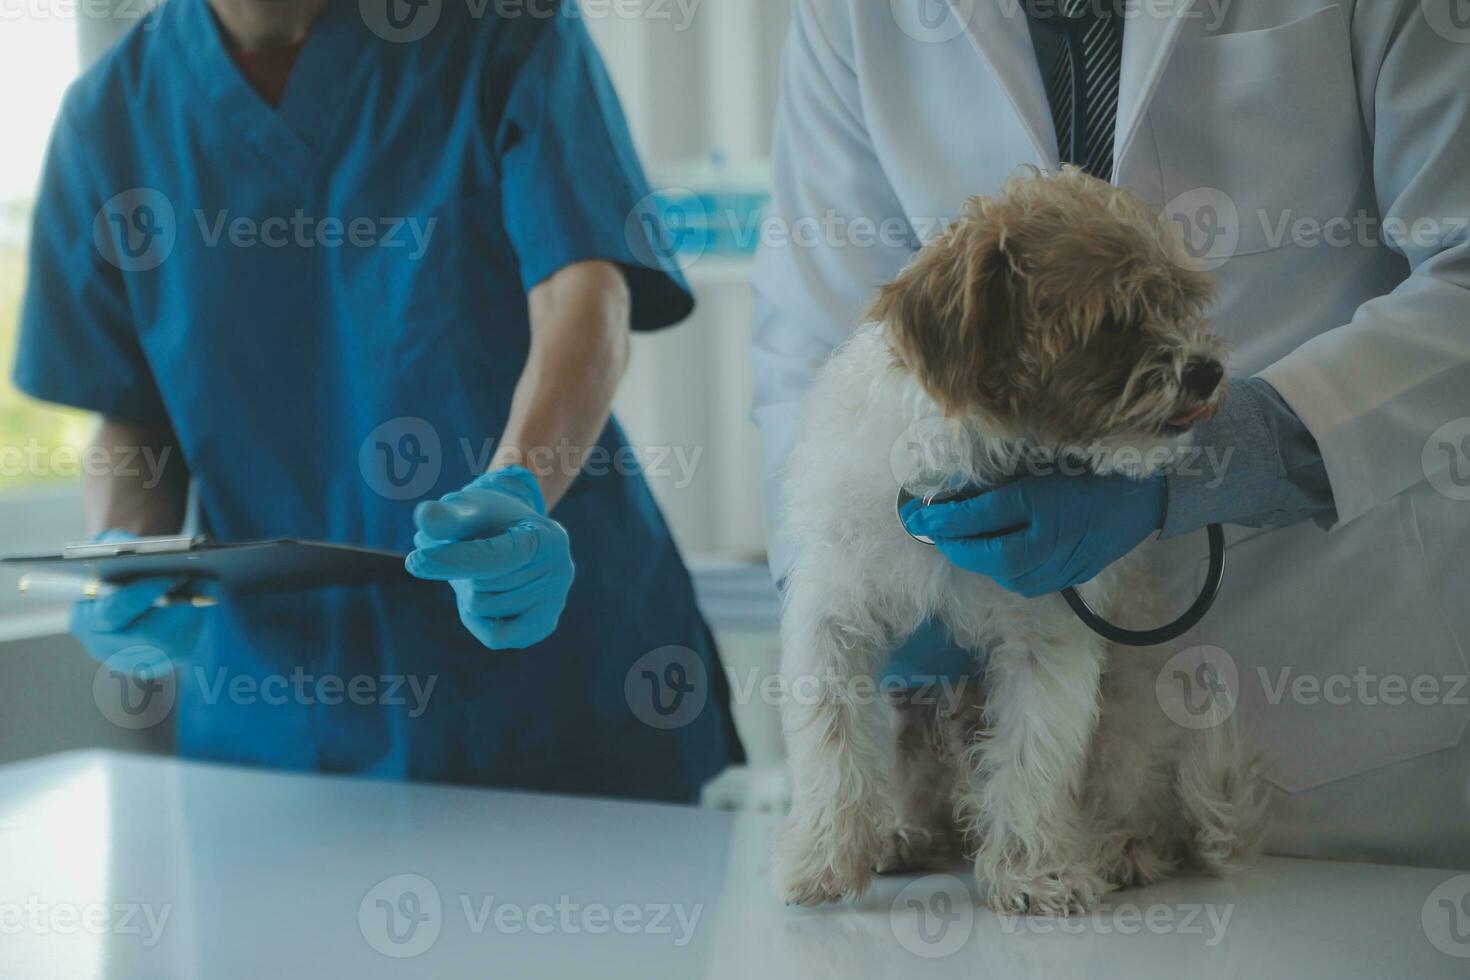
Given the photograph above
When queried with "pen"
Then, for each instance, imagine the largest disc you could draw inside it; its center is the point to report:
(65, 588)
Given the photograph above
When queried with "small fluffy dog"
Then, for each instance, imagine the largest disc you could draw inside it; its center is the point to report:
(1059, 322)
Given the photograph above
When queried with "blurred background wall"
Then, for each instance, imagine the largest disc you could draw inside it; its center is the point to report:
(700, 98)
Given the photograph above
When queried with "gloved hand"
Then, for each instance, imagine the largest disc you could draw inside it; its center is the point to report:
(128, 623)
(1043, 534)
(510, 564)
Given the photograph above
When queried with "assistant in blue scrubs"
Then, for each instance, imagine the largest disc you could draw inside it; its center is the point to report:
(474, 163)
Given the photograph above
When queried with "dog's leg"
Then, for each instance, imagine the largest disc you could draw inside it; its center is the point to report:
(836, 736)
(1022, 800)
(1130, 800)
(924, 836)
(1221, 798)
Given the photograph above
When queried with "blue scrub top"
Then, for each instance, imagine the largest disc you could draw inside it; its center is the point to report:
(326, 300)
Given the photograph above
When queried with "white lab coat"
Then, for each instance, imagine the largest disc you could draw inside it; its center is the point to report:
(1243, 117)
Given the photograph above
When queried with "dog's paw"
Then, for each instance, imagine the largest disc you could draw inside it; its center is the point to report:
(1073, 891)
(816, 887)
(812, 867)
(1138, 863)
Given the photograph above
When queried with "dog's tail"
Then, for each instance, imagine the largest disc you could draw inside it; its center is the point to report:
(1223, 798)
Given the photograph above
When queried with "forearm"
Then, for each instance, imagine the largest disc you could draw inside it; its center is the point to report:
(1375, 389)
(147, 492)
(580, 336)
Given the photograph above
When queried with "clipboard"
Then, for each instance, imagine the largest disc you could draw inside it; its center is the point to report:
(284, 565)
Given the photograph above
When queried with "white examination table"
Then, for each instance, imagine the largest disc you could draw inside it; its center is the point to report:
(121, 866)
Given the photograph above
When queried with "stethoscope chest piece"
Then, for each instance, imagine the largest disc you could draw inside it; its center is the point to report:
(904, 497)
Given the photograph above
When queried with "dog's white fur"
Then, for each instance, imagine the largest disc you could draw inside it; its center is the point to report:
(1063, 775)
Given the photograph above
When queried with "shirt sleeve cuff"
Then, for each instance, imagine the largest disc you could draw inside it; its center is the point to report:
(1230, 470)
(139, 407)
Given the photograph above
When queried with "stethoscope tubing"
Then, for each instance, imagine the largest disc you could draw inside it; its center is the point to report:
(1214, 579)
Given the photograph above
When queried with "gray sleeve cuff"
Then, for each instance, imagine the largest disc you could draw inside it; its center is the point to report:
(1254, 464)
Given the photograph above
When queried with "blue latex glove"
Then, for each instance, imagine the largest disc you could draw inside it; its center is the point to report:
(128, 625)
(510, 564)
(1043, 534)
(928, 656)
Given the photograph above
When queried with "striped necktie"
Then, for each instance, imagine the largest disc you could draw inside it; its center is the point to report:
(1096, 35)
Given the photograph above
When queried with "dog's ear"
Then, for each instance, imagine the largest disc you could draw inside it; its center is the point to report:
(949, 313)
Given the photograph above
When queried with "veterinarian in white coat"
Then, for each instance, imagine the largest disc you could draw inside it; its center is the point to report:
(1315, 154)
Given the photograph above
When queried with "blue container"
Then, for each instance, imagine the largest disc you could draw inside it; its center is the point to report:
(715, 222)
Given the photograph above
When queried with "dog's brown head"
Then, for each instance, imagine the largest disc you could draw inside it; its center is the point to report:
(1064, 311)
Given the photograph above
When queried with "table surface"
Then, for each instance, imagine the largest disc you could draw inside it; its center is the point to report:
(122, 866)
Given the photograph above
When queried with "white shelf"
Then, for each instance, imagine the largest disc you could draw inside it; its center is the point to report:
(720, 271)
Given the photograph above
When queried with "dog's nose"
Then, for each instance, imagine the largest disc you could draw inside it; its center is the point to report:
(1201, 378)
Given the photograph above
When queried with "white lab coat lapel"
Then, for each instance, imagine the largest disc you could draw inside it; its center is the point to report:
(1000, 31)
(1149, 40)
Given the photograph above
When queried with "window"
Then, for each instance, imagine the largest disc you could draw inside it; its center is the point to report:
(38, 59)
(38, 465)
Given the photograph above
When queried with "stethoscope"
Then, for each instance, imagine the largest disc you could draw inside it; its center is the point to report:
(1089, 616)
